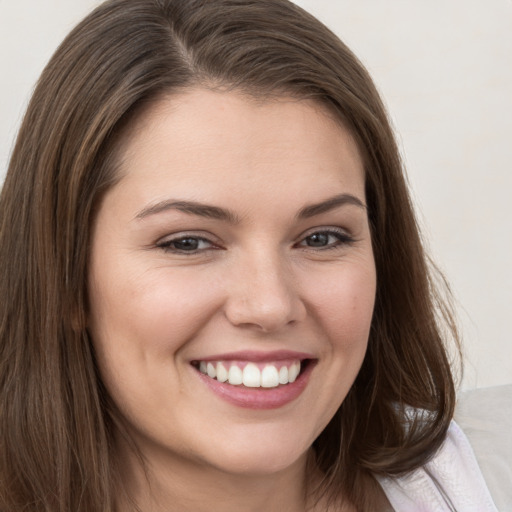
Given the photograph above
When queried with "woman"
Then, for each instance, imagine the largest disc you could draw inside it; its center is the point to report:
(218, 297)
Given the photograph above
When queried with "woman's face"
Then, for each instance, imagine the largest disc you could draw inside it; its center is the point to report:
(235, 246)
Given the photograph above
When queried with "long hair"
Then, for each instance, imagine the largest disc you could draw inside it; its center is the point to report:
(57, 421)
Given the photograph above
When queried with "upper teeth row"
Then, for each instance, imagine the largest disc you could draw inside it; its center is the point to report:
(251, 376)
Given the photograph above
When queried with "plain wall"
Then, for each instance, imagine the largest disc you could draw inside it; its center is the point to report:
(445, 71)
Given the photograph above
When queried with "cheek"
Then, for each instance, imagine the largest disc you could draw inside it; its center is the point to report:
(149, 311)
(139, 323)
(341, 302)
(344, 305)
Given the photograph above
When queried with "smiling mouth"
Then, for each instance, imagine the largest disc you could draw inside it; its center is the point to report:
(268, 375)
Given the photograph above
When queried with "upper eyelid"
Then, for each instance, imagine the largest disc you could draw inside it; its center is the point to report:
(211, 239)
(325, 229)
(166, 245)
(186, 234)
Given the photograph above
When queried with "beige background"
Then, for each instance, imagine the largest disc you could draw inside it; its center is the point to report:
(444, 68)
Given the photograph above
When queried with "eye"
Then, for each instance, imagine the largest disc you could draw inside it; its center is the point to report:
(326, 239)
(187, 244)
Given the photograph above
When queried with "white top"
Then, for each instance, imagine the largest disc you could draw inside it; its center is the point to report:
(451, 481)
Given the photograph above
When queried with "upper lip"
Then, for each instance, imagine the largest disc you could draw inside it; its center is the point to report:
(257, 356)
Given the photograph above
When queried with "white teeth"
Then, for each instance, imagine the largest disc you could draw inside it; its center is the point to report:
(251, 376)
(222, 373)
(270, 377)
(212, 372)
(235, 375)
(293, 372)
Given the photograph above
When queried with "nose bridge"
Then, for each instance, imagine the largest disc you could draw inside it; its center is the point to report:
(263, 293)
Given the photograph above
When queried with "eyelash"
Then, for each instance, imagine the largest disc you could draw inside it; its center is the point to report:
(342, 239)
(167, 245)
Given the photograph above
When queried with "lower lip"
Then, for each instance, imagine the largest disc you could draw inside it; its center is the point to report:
(259, 398)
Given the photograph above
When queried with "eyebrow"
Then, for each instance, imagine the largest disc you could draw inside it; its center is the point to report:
(217, 213)
(190, 207)
(330, 204)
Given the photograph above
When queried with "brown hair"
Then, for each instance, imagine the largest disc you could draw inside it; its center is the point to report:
(56, 419)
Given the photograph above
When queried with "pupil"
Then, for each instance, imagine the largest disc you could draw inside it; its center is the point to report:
(187, 244)
(318, 240)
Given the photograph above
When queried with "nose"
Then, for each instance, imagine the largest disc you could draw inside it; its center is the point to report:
(263, 294)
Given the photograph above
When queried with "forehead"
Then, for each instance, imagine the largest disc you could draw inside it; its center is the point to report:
(229, 138)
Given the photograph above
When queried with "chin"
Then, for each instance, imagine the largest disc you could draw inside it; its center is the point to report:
(261, 453)
(262, 463)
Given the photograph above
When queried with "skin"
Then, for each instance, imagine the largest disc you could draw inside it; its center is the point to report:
(265, 282)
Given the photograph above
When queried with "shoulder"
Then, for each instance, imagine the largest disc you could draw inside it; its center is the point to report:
(451, 480)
